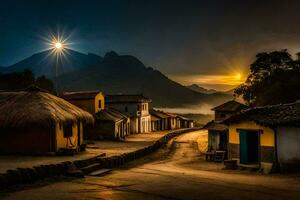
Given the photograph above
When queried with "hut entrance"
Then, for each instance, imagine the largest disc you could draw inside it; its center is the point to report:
(249, 146)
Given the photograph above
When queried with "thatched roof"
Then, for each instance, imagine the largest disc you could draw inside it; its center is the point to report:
(120, 98)
(35, 107)
(230, 106)
(109, 114)
(282, 114)
(79, 95)
(212, 125)
(122, 113)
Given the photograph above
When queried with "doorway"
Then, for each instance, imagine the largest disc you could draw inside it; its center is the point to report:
(249, 146)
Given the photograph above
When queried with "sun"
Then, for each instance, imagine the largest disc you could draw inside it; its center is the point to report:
(58, 45)
(238, 76)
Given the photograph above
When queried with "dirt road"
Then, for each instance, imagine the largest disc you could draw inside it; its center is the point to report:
(175, 172)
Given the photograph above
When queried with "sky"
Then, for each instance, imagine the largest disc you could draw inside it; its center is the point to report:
(210, 43)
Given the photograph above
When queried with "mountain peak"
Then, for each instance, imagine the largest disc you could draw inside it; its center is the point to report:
(110, 55)
(41, 63)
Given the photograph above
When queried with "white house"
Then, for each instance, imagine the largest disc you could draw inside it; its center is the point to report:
(137, 106)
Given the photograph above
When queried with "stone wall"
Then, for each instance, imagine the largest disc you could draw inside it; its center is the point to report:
(30, 175)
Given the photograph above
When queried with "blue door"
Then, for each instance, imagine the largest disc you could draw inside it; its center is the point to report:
(243, 147)
(249, 146)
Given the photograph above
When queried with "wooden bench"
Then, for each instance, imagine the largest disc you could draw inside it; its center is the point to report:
(219, 156)
(209, 156)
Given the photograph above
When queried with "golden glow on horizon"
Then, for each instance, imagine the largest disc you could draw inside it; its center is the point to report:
(219, 82)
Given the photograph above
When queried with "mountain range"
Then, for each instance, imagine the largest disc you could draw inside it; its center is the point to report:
(114, 74)
(44, 63)
(200, 89)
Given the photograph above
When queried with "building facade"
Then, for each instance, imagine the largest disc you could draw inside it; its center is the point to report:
(109, 124)
(217, 131)
(266, 137)
(137, 106)
(91, 101)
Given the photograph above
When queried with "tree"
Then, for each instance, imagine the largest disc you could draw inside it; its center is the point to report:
(274, 78)
(21, 80)
(45, 83)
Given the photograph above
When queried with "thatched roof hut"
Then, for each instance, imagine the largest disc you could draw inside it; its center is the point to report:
(108, 114)
(36, 107)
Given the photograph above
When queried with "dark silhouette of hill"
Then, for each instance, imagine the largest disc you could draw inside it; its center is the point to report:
(200, 89)
(114, 74)
(44, 63)
(126, 74)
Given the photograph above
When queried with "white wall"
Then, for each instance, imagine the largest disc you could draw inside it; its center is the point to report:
(288, 145)
(138, 124)
(145, 124)
(132, 108)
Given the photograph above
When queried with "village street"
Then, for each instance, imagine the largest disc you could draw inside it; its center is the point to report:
(174, 172)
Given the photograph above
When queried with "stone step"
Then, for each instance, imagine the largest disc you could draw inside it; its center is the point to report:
(75, 173)
(100, 172)
(91, 168)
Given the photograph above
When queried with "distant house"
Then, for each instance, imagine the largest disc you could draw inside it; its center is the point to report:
(266, 137)
(109, 124)
(126, 121)
(178, 125)
(163, 122)
(36, 122)
(185, 122)
(218, 132)
(138, 108)
(172, 121)
(155, 123)
(91, 101)
(227, 109)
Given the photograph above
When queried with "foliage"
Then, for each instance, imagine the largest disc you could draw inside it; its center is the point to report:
(274, 78)
(20, 80)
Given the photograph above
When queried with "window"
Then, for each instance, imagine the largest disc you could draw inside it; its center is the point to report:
(138, 107)
(68, 132)
(145, 106)
(99, 104)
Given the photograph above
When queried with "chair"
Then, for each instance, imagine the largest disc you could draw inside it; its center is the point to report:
(210, 154)
(219, 156)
